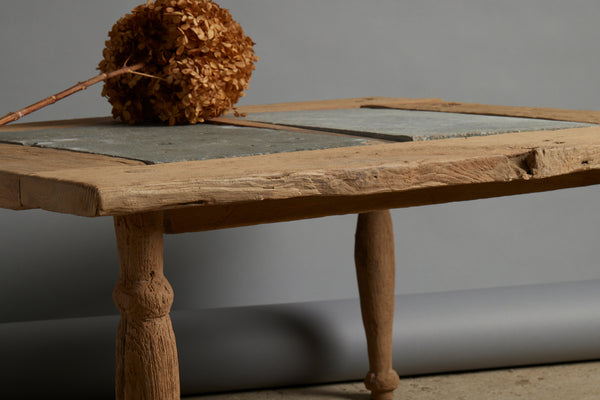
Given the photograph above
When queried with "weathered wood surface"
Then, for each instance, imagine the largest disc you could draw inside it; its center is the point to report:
(375, 272)
(345, 172)
(147, 366)
(485, 109)
(64, 123)
(310, 183)
(356, 102)
(394, 124)
(156, 144)
(17, 162)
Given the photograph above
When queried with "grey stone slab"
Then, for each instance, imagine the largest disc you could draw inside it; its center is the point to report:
(405, 125)
(163, 144)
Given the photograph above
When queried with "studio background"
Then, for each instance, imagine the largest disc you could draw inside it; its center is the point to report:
(526, 53)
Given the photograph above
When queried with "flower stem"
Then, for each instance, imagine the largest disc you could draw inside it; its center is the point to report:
(13, 116)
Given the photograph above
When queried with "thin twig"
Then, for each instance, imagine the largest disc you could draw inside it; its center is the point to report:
(147, 75)
(13, 116)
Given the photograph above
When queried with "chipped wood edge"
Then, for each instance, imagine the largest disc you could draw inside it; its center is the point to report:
(548, 162)
(348, 181)
(541, 176)
(77, 196)
(534, 155)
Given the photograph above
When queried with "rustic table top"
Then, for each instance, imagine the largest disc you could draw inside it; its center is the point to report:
(297, 160)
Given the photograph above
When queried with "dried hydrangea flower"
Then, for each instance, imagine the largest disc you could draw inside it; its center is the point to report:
(198, 56)
(177, 61)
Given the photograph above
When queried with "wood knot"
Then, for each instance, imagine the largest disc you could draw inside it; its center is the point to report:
(144, 299)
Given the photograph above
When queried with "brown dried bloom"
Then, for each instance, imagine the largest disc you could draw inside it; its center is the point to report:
(199, 59)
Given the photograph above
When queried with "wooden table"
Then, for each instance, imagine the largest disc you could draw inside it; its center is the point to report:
(368, 174)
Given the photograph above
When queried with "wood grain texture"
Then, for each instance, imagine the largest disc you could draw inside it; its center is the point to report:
(485, 109)
(334, 104)
(203, 218)
(375, 270)
(403, 174)
(18, 161)
(65, 123)
(345, 172)
(265, 125)
(26, 160)
(9, 191)
(146, 355)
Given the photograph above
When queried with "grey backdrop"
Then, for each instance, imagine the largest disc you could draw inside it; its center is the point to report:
(515, 52)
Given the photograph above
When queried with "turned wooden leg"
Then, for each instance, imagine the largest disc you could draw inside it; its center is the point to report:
(147, 366)
(375, 270)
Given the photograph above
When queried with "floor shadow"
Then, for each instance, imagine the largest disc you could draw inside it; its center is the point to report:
(335, 393)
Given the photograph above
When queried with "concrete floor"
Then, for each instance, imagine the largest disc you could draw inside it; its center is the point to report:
(580, 381)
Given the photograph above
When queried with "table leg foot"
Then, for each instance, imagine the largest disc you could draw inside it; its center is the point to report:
(146, 355)
(375, 269)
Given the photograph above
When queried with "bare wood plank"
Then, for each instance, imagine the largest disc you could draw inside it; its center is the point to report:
(56, 180)
(433, 104)
(24, 160)
(61, 196)
(200, 218)
(65, 123)
(332, 104)
(346, 172)
(136, 189)
(9, 191)
(507, 111)
(18, 161)
(265, 125)
(295, 106)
